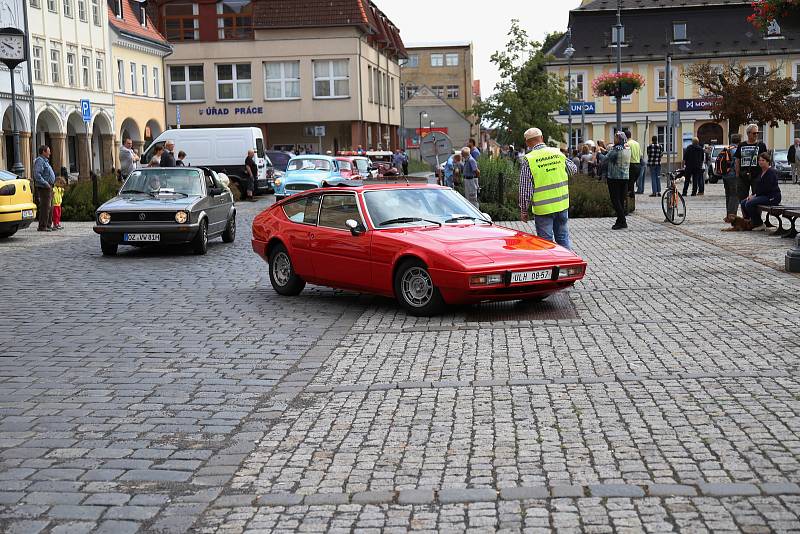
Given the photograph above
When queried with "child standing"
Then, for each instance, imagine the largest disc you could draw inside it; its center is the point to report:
(58, 197)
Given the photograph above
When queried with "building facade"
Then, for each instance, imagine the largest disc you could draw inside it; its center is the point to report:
(287, 69)
(69, 44)
(11, 15)
(437, 111)
(138, 51)
(691, 31)
(447, 70)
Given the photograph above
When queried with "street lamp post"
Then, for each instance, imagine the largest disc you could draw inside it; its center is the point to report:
(16, 52)
(422, 115)
(619, 29)
(402, 115)
(568, 53)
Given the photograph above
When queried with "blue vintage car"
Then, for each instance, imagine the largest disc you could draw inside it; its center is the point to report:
(307, 172)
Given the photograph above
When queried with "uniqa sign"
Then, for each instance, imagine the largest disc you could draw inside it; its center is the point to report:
(587, 108)
(245, 110)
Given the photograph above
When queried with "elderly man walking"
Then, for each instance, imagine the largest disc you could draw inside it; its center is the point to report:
(127, 158)
(471, 172)
(544, 188)
(44, 179)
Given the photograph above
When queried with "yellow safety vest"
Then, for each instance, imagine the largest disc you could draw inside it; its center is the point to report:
(550, 181)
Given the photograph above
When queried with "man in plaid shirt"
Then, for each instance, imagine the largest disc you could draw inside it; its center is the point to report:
(654, 154)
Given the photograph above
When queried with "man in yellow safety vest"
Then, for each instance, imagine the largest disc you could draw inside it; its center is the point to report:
(544, 189)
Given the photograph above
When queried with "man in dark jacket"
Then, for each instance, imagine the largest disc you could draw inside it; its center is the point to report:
(694, 158)
(168, 157)
(794, 159)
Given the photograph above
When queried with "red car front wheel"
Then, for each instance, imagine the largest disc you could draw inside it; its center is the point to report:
(415, 290)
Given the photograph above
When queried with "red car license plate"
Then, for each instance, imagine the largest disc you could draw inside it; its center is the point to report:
(531, 276)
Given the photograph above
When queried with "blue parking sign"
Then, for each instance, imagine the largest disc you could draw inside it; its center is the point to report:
(86, 110)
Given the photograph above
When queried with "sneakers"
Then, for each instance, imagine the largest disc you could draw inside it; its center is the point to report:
(619, 226)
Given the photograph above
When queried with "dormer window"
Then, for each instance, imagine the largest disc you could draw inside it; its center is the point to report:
(117, 8)
(141, 12)
(679, 32)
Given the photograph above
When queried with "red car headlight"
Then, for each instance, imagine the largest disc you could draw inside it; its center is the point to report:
(485, 279)
(570, 272)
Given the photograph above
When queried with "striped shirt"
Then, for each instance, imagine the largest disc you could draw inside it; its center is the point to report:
(526, 180)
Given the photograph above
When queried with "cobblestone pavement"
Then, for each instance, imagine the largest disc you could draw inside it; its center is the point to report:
(165, 392)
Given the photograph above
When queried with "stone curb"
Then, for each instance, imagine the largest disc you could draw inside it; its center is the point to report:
(473, 495)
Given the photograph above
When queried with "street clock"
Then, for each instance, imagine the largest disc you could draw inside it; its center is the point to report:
(13, 49)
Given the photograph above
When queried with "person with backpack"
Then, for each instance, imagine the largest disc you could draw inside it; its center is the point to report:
(725, 166)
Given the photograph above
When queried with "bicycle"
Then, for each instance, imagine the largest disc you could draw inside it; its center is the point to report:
(672, 203)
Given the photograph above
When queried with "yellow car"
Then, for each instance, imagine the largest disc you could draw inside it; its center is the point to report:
(17, 210)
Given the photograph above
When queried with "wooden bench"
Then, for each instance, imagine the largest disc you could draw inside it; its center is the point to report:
(780, 212)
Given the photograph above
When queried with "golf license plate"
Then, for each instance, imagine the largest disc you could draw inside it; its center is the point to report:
(143, 237)
(27, 214)
(524, 277)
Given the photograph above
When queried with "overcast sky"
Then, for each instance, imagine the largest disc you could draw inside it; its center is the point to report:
(486, 24)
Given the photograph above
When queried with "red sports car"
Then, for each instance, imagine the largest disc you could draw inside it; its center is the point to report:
(424, 245)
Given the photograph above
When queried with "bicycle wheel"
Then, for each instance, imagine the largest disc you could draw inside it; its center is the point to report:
(674, 207)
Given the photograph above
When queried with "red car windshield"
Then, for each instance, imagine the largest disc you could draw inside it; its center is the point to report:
(415, 206)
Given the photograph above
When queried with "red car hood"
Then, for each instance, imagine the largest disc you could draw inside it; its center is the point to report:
(487, 246)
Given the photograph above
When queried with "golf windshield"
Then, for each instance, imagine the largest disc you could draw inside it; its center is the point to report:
(309, 165)
(415, 206)
(184, 181)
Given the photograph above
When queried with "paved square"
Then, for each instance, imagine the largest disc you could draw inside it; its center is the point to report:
(164, 392)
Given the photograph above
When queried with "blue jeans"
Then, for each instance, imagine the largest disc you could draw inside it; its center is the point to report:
(750, 208)
(554, 227)
(655, 178)
(640, 180)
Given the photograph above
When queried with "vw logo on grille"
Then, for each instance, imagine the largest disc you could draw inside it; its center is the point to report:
(142, 216)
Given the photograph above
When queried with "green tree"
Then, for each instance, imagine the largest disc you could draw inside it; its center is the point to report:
(743, 96)
(526, 94)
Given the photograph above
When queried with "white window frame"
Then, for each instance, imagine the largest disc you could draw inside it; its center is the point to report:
(439, 90)
(439, 60)
(283, 80)
(577, 137)
(38, 73)
(453, 95)
(82, 14)
(52, 6)
(413, 61)
(118, 8)
(99, 72)
(661, 135)
(156, 82)
(331, 79)
(120, 76)
(449, 56)
(55, 64)
(234, 81)
(756, 66)
(35, 3)
(144, 71)
(68, 9)
(656, 86)
(71, 78)
(134, 75)
(96, 12)
(575, 75)
(186, 83)
(86, 70)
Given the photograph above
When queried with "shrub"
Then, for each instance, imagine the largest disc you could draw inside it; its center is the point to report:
(588, 198)
(415, 165)
(77, 204)
(493, 171)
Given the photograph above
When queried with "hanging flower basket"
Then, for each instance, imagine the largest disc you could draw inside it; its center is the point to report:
(619, 85)
(765, 11)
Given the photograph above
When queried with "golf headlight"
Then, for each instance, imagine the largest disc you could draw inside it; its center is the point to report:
(104, 217)
(278, 181)
(485, 279)
(570, 272)
(181, 217)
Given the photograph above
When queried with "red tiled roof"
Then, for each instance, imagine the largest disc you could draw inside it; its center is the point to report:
(272, 14)
(129, 23)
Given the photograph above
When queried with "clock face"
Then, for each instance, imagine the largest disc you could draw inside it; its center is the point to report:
(12, 47)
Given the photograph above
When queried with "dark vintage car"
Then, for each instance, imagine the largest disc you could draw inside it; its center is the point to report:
(167, 206)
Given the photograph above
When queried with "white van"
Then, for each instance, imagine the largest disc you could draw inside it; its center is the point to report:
(220, 149)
